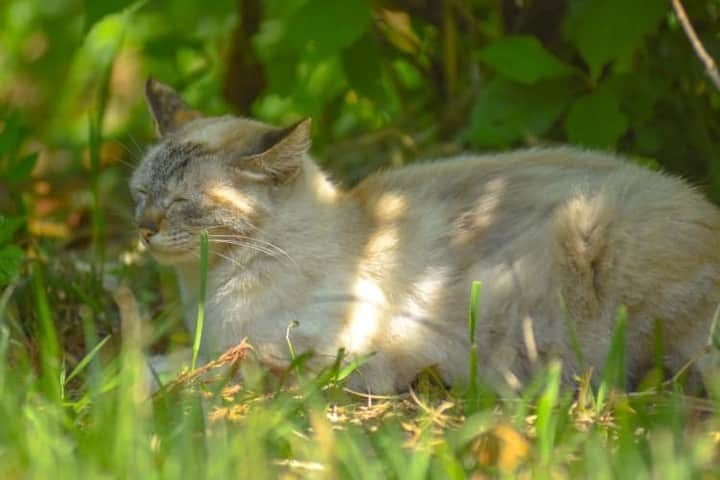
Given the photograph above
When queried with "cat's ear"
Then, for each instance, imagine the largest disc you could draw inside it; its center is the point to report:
(282, 151)
(169, 111)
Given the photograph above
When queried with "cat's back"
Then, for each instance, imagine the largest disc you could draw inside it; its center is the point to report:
(464, 176)
(571, 211)
(531, 182)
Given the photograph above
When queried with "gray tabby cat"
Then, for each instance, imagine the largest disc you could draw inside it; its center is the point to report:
(386, 267)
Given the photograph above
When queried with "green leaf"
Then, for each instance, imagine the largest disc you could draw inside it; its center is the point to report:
(327, 26)
(282, 73)
(638, 93)
(12, 134)
(506, 112)
(595, 120)
(523, 59)
(95, 10)
(362, 65)
(605, 30)
(22, 168)
(11, 257)
(8, 226)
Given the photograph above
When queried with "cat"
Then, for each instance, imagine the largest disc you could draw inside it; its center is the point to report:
(559, 237)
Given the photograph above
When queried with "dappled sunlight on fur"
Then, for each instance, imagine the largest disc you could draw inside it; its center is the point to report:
(555, 236)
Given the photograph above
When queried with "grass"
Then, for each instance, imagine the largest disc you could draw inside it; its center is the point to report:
(200, 321)
(75, 421)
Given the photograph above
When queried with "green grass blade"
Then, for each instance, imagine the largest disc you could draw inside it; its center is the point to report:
(49, 345)
(613, 375)
(200, 321)
(4, 342)
(546, 415)
(475, 291)
(473, 401)
(353, 365)
(5, 300)
(291, 349)
(86, 359)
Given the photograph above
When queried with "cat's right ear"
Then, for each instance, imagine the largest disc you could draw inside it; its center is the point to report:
(169, 111)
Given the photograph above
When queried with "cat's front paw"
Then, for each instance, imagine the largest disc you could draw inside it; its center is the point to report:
(375, 376)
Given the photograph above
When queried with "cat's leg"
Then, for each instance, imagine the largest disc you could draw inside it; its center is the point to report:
(694, 353)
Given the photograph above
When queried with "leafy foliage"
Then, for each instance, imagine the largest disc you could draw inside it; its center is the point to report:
(596, 120)
(523, 59)
(605, 31)
(603, 73)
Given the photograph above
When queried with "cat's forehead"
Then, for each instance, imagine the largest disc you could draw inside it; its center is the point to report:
(223, 133)
(206, 140)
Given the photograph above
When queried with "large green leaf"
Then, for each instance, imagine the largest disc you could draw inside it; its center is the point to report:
(12, 134)
(595, 120)
(361, 62)
(523, 59)
(327, 26)
(506, 112)
(22, 168)
(283, 72)
(605, 30)
(11, 257)
(8, 227)
(638, 93)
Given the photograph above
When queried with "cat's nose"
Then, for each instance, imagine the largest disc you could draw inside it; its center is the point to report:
(148, 228)
(149, 223)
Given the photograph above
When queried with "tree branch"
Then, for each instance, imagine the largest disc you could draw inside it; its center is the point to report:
(245, 77)
(702, 54)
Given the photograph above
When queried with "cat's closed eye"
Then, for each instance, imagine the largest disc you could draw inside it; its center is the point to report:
(174, 202)
(139, 195)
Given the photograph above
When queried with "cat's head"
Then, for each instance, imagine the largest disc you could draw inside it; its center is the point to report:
(209, 173)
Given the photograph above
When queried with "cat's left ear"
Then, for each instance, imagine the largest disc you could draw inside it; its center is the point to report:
(282, 152)
(168, 109)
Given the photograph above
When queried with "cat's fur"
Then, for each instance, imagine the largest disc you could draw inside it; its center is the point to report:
(387, 266)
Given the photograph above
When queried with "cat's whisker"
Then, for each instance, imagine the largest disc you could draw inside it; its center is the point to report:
(245, 237)
(229, 259)
(258, 248)
(137, 146)
(240, 244)
(212, 227)
(128, 150)
(269, 249)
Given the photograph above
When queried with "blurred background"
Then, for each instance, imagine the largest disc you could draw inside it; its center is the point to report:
(387, 82)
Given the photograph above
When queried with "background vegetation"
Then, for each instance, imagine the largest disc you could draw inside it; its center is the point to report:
(386, 82)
